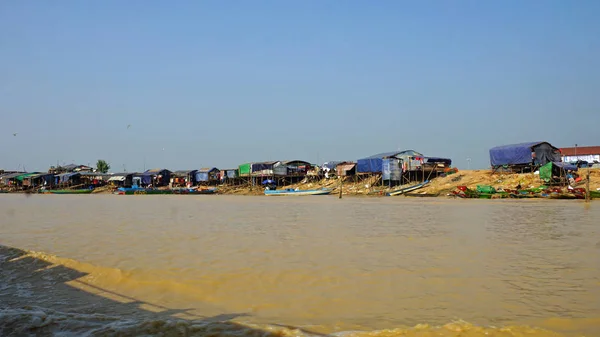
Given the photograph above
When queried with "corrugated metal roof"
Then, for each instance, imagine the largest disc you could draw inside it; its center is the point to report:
(287, 162)
(206, 169)
(70, 174)
(267, 162)
(37, 175)
(156, 170)
(12, 175)
(394, 154)
(580, 151)
(23, 176)
(125, 174)
(346, 166)
(95, 174)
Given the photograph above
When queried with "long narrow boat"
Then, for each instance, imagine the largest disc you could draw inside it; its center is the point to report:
(595, 194)
(563, 196)
(291, 191)
(192, 191)
(422, 195)
(81, 191)
(407, 189)
(140, 191)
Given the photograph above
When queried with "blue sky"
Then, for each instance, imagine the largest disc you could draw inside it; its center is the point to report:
(219, 83)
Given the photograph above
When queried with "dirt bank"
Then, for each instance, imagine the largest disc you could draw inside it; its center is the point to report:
(441, 186)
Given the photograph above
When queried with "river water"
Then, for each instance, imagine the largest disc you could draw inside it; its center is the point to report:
(106, 265)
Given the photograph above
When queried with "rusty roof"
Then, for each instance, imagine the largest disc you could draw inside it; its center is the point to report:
(580, 150)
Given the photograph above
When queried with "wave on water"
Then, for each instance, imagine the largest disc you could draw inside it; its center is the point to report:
(35, 321)
(29, 277)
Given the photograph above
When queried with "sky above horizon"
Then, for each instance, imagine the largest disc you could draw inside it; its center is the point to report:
(216, 83)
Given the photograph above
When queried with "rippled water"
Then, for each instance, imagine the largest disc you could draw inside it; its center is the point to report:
(104, 264)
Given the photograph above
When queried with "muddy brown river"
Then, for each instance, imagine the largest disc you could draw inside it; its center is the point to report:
(106, 265)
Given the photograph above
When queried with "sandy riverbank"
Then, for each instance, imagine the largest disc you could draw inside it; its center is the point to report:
(441, 186)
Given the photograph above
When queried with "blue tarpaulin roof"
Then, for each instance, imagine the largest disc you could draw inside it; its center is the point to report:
(369, 165)
(63, 178)
(513, 154)
(374, 163)
(267, 165)
(566, 166)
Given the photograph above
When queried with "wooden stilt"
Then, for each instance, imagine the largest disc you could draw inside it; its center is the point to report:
(587, 186)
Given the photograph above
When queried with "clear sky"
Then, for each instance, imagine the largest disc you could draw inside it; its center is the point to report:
(219, 83)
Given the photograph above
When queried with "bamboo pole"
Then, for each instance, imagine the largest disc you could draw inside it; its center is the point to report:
(587, 186)
(341, 186)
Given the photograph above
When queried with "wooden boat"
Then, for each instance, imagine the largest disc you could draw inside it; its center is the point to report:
(562, 196)
(291, 191)
(595, 194)
(407, 189)
(193, 191)
(81, 191)
(422, 195)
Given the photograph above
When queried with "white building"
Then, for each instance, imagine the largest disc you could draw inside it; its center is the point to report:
(591, 154)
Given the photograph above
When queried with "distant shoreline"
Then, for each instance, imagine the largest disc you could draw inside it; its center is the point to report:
(438, 187)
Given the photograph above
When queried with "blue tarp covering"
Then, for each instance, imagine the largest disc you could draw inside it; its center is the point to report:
(204, 174)
(231, 173)
(48, 178)
(566, 166)
(514, 154)
(63, 178)
(256, 167)
(201, 176)
(391, 169)
(145, 178)
(373, 164)
(369, 165)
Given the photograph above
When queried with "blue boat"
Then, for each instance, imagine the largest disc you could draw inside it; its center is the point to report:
(291, 191)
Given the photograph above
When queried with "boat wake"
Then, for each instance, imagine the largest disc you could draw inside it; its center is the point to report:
(35, 321)
(65, 308)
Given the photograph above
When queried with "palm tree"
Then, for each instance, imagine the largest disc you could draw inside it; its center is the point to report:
(102, 166)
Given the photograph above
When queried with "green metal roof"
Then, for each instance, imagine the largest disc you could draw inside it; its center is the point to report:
(23, 176)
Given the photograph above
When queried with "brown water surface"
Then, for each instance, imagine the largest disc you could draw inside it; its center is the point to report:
(317, 264)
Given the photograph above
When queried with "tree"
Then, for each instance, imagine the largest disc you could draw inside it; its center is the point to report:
(102, 166)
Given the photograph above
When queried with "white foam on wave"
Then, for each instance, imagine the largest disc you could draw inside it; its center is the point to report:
(34, 321)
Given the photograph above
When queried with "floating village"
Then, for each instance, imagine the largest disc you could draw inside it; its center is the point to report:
(525, 170)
